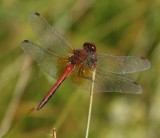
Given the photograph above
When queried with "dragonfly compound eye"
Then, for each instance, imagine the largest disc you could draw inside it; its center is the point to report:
(90, 47)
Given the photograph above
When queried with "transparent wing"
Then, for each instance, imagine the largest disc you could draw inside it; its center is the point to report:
(114, 83)
(51, 64)
(121, 64)
(49, 38)
(104, 82)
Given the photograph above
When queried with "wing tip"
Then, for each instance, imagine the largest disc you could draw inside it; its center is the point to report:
(144, 58)
(25, 41)
(140, 89)
(148, 64)
(33, 15)
(37, 13)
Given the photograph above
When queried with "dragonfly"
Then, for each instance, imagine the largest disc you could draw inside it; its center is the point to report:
(56, 56)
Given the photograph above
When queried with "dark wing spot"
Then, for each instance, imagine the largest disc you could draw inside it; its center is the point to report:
(143, 58)
(135, 83)
(36, 13)
(26, 41)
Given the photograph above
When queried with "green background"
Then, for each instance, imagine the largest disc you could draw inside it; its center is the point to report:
(126, 27)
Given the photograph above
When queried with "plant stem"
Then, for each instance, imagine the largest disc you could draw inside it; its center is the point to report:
(90, 105)
(54, 133)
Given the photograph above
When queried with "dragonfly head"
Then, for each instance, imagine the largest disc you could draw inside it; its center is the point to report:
(89, 47)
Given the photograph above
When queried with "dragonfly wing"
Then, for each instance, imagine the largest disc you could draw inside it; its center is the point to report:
(121, 64)
(114, 83)
(49, 38)
(104, 82)
(53, 65)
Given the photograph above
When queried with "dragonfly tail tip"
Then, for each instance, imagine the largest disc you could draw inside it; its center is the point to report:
(39, 107)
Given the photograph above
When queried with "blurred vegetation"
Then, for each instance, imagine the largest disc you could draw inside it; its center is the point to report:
(126, 27)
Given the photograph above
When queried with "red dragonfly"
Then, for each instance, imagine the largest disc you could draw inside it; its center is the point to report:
(55, 55)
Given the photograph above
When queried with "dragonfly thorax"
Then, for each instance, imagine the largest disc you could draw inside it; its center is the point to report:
(79, 55)
(86, 56)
